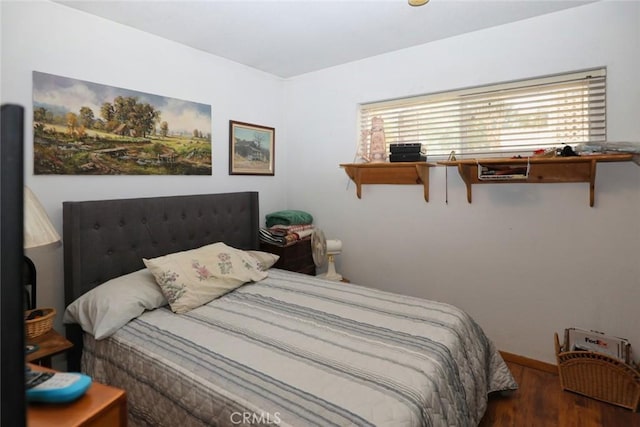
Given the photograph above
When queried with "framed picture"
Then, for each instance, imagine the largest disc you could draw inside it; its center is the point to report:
(251, 149)
(87, 128)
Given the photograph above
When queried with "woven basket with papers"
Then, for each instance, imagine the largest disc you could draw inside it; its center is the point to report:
(598, 376)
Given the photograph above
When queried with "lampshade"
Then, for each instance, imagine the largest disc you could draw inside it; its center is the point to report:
(38, 230)
(418, 2)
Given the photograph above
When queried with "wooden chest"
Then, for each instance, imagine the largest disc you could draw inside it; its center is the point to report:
(296, 257)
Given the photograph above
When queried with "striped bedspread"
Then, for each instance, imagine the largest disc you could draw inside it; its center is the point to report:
(294, 350)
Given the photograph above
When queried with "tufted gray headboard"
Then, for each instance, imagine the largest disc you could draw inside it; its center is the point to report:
(108, 238)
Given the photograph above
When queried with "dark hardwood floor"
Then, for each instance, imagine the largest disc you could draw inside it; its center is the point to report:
(539, 402)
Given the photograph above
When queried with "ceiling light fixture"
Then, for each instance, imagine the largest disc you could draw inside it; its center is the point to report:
(418, 2)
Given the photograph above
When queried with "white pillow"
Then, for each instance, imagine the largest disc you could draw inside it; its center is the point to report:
(192, 278)
(108, 307)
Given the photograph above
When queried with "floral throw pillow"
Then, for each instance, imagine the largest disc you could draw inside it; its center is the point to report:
(192, 278)
(265, 259)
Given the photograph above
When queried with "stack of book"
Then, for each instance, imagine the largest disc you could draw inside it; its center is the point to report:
(407, 153)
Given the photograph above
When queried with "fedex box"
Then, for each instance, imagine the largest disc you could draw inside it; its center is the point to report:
(582, 340)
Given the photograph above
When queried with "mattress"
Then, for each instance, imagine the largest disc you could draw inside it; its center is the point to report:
(296, 350)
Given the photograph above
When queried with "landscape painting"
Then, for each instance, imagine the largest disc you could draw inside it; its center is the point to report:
(85, 128)
(251, 149)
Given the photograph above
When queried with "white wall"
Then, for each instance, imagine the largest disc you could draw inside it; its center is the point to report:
(524, 260)
(55, 39)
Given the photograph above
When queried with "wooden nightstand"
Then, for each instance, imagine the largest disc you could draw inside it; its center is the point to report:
(101, 406)
(50, 344)
(296, 257)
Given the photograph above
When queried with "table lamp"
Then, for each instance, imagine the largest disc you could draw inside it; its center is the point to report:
(38, 232)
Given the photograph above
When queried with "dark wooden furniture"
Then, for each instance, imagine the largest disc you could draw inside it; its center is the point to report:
(49, 344)
(101, 406)
(296, 257)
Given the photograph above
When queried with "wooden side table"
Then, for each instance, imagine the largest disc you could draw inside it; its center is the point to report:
(100, 406)
(296, 257)
(49, 344)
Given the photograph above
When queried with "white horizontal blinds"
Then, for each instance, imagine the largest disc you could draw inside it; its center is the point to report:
(500, 119)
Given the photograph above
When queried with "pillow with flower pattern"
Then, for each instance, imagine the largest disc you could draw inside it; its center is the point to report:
(192, 278)
(265, 259)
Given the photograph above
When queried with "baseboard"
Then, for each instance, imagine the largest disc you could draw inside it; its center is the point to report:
(530, 363)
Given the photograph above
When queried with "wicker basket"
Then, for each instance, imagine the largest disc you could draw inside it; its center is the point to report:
(40, 325)
(598, 376)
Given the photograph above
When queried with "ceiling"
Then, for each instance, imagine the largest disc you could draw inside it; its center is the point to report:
(289, 38)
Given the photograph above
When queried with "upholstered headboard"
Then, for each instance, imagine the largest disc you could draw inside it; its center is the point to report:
(108, 238)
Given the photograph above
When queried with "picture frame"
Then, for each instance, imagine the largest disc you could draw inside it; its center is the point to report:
(88, 128)
(251, 149)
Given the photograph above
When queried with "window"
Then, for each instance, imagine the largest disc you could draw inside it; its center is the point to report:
(502, 119)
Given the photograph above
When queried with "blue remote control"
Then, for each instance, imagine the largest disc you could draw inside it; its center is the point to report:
(55, 387)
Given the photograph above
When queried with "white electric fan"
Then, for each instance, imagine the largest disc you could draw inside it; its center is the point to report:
(324, 251)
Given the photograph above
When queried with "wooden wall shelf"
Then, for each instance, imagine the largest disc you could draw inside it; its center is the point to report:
(541, 170)
(389, 173)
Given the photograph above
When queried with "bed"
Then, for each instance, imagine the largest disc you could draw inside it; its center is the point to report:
(289, 349)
